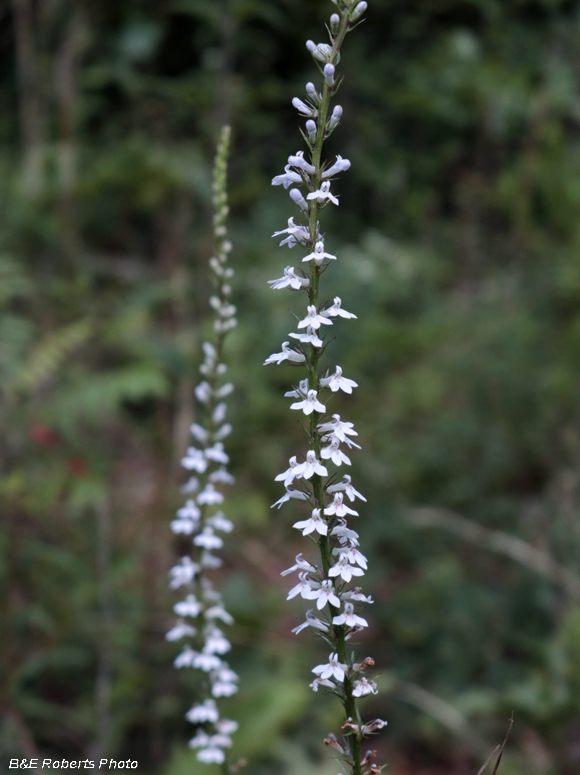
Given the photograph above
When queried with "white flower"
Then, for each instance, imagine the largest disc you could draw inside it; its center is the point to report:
(323, 193)
(333, 669)
(219, 522)
(225, 390)
(203, 392)
(211, 755)
(289, 475)
(216, 642)
(301, 391)
(309, 405)
(304, 109)
(199, 433)
(350, 618)
(185, 659)
(223, 689)
(311, 129)
(209, 495)
(290, 279)
(303, 588)
(188, 607)
(337, 382)
(194, 460)
(287, 354)
(221, 476)
(360, 8)
(332, 452)
(189, 511)
(313, 319)
(363, 686)
(342, 530)
(318, 257)
(311, 621)
(339, 508)
(287, 178)
(208, 539)
(346, 487)
(208, 560)
(191, 485)
(323, 595)
(180, 630)
(352, 553)
(344, 569)
(337, 311)
(291, 492)
(201, 739)
(356, 594)
(219, 413)
(320, 682)
(226, 727)
(300, 162)
(222, 432)
(183, 526)
(310, 467)
(296, 233)
(183, 573)
(206, 662)
(337, 427)
(310, 337)
(301, 564)
(217, 454)
(219, 612)
(340, 165)
(315, 523)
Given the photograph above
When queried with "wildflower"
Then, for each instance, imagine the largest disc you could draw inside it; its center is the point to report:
(363, 687)
(219, 612)
(303, 588)
(215, 641)
(318, 256)
(337, 311)
(194, 460)
(313, 319)
(335, 117)
(311, 621)
(322, 51)
(339, 508)
(332, 452)
(310, 467)
(211, 755)
(287, 354)
(206, 662)
(329, 74)
(208, 539)
(216, 453)
(309, 404)
(310, 337)
(287, 178)
(340, 165)
(323, 595)
(321, 682)
(221, 476)
(291, 492)
(209, 496)
(185, 659)
(219, 522)
(289, 475)
(344, 569)
(323, 194)
(337, 382)
(183, 573)
(297, 198)
(333, 669)
(304, 109)
(188, 607)
(349, 618)
(346, 487)
(301, 564)
(290, 279)
(315, 523)
(298, 160)
(337, 427)
(180, 630)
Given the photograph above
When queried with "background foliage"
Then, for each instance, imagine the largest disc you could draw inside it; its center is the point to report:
(459, 245)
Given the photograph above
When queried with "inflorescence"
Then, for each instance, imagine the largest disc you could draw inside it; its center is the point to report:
(202, 612)
(331, 580)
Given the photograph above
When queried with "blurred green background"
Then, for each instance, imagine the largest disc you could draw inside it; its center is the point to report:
(458, 237)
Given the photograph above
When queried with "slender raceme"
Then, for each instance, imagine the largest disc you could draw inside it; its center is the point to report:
(330, 578)
(202, 609)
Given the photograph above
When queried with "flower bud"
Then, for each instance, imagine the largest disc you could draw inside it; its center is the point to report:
(311, 92)
(335, 118)
(311, 129)
(334, 23)
(329, 74)
(297, 197)
(358, 11)
(303, 108)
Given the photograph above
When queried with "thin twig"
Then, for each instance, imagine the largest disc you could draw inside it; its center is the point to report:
(499, 748)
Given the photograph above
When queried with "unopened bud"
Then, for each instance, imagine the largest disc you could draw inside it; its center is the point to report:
(358, 11)
(311, 92)
(311, 129)
(329, 74)
(297, 197)
(335, 118)
(334, 23)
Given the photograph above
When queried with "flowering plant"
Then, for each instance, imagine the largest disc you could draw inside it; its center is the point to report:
(326, 579)
(202, 609)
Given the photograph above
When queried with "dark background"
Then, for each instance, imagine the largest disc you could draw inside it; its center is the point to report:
(459, 250)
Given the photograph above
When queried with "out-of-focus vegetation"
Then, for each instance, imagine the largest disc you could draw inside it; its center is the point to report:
(459, 249)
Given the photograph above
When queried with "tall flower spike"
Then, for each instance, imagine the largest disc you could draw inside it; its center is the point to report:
(202, 604)
(331, 580)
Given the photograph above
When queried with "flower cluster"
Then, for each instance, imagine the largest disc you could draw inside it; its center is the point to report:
(330, 581)
(201, 612)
